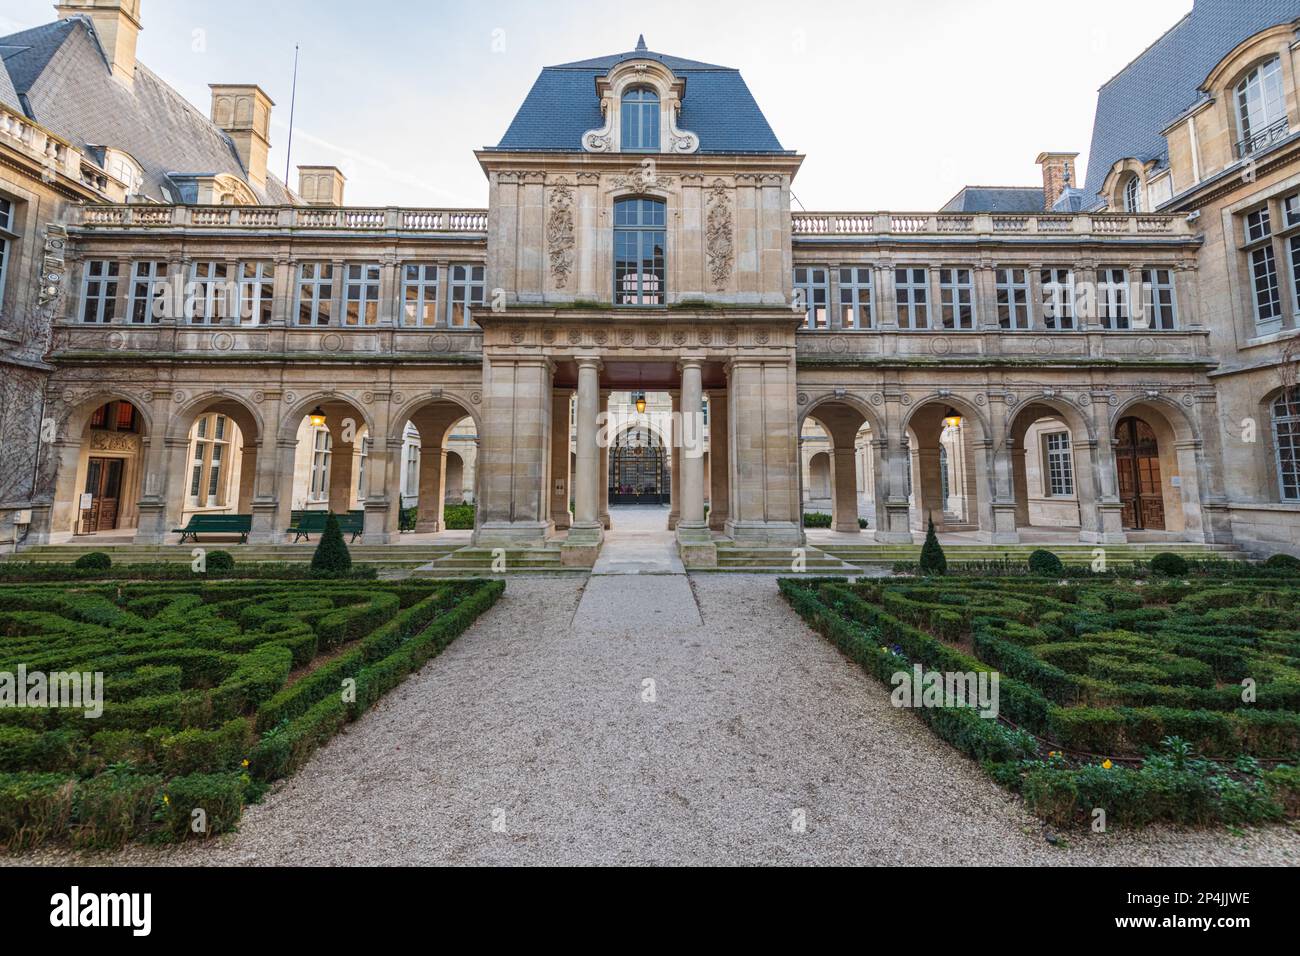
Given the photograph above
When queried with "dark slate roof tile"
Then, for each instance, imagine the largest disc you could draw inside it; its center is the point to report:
(996, 199)
(61, 72)
(718, 107)
(1157, 87)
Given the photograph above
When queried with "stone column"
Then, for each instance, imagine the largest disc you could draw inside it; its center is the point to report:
(693, 537)
(560, 479)
(719, 477)
(845, 488)
(247, 478)
(1020, 482)
(602, 500)
(341, 455)
(675, 461)
(586, 533)
(432, 487)
(763, 441)
(163, 469)
(513, 464)
(269, 521)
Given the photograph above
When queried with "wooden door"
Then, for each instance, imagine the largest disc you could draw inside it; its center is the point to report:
(1137, 459)
(104, 484)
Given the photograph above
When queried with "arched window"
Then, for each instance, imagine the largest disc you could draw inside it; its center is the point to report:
(1261, 107)
(639, 259)
(1132, 195)
(640, 112)
(1286, 440)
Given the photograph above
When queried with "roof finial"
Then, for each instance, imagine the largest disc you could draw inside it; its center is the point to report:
(640, 43)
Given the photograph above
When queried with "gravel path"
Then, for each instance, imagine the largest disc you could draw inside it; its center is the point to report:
(534, 720)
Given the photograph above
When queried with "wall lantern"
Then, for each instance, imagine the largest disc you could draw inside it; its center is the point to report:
(951, 418)
(317, 417)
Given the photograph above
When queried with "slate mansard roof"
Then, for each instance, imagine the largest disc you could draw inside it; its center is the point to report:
(60, 78)
(717, 106)
(1152, 91)
(996, 199)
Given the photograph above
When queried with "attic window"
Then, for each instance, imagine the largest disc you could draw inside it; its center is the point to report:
(1132, 195)
(640, 119)
(1261, 108)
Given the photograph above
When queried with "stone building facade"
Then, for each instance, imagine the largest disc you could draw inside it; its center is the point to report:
(1103, 363)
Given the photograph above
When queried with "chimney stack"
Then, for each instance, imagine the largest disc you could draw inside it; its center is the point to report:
(243, 110)
(1058, 176)
(117, 25)
(321, 185)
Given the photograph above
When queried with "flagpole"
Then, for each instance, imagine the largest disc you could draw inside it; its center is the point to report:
(293, 99)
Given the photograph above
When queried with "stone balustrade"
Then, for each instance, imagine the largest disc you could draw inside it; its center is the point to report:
(346, 219)
(56, 155)
(855, 224)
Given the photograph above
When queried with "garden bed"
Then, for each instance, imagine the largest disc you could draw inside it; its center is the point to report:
(199, 711)
(1176, 701)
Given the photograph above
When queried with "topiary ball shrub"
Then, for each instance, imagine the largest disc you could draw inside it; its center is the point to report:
(1169, 564)
(1283, 562)
(331, 555)
(221, 561)
(1045, 564)
(933, 560)
(94, 561)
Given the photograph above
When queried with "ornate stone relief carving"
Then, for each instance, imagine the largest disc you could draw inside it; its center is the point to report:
(720, 234)
(559, 233)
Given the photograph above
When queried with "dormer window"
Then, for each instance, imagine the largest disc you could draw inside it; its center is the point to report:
(1132, 195)
(640, 114)
(1261, 108)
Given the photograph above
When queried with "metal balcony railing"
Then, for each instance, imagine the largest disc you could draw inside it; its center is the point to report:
(1273, 133)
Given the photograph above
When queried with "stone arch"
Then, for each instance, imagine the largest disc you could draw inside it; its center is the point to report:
(74, 447)
(1181, 468)
(241, 465)
(434, 417)
(819, 475)
(1075, 500)
(295, 413)
(455, 483)
(79, 410)
(1268, 454)
(610, 470)
(973, 456)
(235, 406)
(842, 417)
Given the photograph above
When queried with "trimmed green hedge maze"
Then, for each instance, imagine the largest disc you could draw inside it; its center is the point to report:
(1174, 701)
(210, 691)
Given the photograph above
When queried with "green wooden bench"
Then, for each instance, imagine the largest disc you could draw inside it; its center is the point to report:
(303, 524)
(226, 524)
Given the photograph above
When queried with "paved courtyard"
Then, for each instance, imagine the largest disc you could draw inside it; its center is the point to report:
(656, 718)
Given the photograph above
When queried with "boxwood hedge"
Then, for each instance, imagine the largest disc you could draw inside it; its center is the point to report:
(209, 693)
(1098, 681)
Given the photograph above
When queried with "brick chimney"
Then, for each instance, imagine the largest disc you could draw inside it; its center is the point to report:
(117, 25)
(1058, 175)
(244, 111)
(321, 185)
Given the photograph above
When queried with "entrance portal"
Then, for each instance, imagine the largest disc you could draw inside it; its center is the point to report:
(1137, 460)
(104, 485)
(638, 469)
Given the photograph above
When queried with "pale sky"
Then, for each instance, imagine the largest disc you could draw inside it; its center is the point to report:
(896, 105)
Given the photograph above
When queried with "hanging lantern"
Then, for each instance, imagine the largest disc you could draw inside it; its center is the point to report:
(951, 418)
(640, 403)
(317, 417)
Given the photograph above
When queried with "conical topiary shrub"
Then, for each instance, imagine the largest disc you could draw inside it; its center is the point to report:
(331, 555)
(932, 557)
